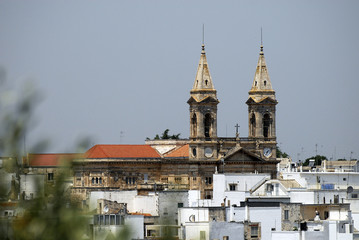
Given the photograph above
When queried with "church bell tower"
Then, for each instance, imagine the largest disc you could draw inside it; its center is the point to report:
(261, 111)
(203, 114)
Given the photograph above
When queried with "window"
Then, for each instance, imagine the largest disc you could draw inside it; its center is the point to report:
(178, 179)
(270, 187)
(50, 176)
(206, 82)
(254, 231)
(354, 195)
(225, 238)
(265, 83)
(232, 187)
(100, 180)
(253, 125)
(180, 205)
(194, 152)
(326, 214)
(194, 125)
(194, 178)
(207, 125)
(208, 194)
(266, 123)
(286, 214)
(344, 179)
(208, 180)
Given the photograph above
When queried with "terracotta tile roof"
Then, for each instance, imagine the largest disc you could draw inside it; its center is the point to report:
(122, 151)
(179, 152)
(50, 159)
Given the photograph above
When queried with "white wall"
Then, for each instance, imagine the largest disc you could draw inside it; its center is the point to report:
(146, 204)
(119, 196)
(304, 197)
(32, 184)
(135, 223)
(244, 182)
(287, 235)
(193, 230)
(200, 215)
(195, 201)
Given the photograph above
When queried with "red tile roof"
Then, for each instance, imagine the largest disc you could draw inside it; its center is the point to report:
(179, 152)
(50, 159)
(122, 151)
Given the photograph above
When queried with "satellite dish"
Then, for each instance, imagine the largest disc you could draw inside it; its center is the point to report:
(105, 209)
(350, 189)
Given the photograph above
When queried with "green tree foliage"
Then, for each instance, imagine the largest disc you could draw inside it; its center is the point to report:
(317, 160)
(281, 154)
(165, 135)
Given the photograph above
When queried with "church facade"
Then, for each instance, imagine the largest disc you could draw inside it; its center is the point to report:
(189, 164)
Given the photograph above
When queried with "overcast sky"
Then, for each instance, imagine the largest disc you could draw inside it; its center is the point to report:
(121, 71)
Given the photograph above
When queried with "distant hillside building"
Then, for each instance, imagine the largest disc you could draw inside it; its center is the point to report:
(189, 164)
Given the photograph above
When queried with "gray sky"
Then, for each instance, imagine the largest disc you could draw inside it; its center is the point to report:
(106, 67)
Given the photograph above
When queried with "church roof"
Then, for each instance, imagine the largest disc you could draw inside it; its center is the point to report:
(50, 159)
(122, 151)
(203, 79)
(261, 82)
(181, 152)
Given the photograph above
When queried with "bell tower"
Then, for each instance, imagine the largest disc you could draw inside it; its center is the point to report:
(261, 111)
(203, 114)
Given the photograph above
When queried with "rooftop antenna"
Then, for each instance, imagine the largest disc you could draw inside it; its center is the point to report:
(261, 37)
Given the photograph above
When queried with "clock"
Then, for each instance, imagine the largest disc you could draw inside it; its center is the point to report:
(208, 152)
(267, 152)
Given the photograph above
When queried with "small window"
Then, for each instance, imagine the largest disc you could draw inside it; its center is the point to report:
(265, 83)
(344, 179)
(270, 187)
(50, 176)
(206, 82)
(194, 152)
(286, 214)
(180, 205)
(254, 231)
(208, 180)
(255, 83)
(232, 187)
(225, 237)
(194, 178)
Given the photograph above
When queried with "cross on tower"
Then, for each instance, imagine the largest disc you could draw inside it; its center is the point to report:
(237, 128)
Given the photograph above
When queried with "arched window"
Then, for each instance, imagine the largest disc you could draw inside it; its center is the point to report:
(96, 180)
(207, 125)
(194, 125)
(266, 124)
(100, 180)
(253, 125)
(93, 181)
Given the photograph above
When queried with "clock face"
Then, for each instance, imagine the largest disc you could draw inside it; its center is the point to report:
(267, 152)
(208, 152)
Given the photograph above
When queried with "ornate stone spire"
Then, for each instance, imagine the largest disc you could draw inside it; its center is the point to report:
(262, 86)
(203, 85)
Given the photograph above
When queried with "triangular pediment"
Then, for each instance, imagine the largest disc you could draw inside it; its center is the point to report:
(209, 99)
(192, 100)
(250, 101)
(240, 154)
(267, 100)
